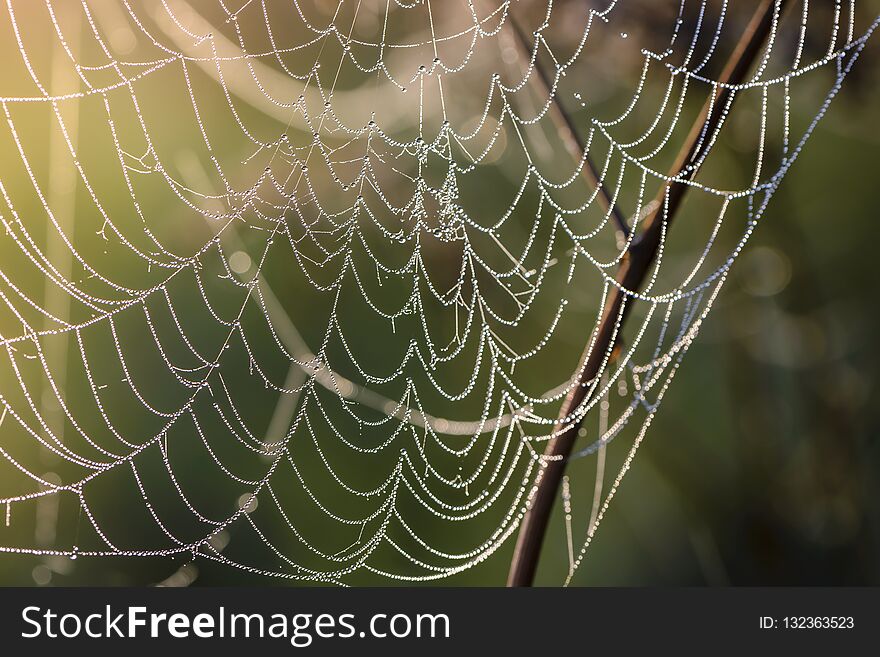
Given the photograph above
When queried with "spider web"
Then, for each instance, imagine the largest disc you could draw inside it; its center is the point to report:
(300, 287)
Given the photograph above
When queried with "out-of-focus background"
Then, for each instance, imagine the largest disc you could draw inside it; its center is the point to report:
(763, 465)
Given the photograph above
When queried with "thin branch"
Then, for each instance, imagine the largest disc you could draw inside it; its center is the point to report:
(631, 275)
(566, 130)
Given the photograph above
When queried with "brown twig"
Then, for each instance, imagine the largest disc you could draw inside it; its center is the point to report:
(567, 132)
(631, 275)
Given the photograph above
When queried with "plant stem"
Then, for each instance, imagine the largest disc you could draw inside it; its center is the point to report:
(565, 129)
(632, 272)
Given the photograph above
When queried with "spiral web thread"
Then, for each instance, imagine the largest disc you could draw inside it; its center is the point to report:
(259, 282)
